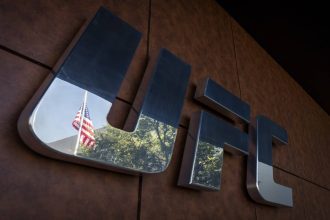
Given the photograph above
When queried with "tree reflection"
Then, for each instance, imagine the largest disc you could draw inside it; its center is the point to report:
(149, 148)
(208, 164)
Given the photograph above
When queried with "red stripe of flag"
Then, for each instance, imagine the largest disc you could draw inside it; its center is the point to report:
(87, 136)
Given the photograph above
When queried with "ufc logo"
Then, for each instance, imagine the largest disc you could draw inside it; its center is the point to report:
(67, 119)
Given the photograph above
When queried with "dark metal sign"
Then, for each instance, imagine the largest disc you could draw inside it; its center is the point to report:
(67, 118)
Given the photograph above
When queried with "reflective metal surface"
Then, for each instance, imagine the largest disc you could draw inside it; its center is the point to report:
(88, 81)
(260, 180)
(203, 156)
(100, 58)
(208, 136)
(216, 97)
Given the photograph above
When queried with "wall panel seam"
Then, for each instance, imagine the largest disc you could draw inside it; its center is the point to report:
(22, 56)
(301, 178)
(235, 57)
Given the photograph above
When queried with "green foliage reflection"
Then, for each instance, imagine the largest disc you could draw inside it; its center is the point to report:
(208, 164)
(149, 148)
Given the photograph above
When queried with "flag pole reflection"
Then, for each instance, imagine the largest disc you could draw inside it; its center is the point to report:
(82, 115)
